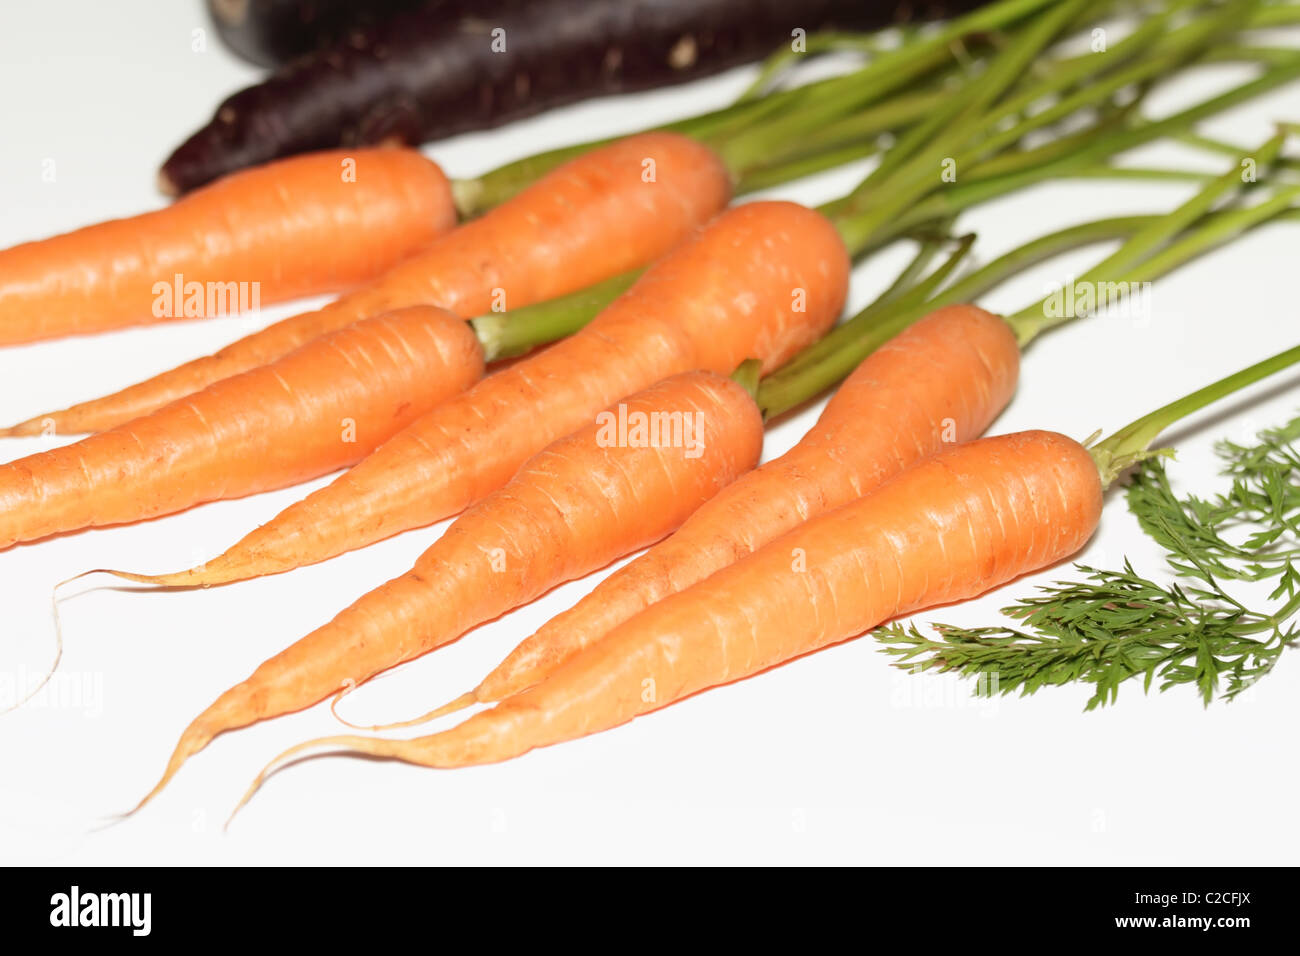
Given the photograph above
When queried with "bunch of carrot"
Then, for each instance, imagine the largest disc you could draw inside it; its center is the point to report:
(970, 360)
(524, 456)
(337, 220)
(818, 546)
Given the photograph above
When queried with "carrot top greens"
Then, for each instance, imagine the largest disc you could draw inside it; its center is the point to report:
(1117, 625)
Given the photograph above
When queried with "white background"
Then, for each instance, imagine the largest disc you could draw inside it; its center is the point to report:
(836, 757)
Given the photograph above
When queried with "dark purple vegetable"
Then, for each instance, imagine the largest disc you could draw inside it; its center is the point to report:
(462, 65)
(272, 32)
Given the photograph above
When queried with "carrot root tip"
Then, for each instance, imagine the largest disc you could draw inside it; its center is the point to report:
(166, 185)
(349, 743)
(460, 703)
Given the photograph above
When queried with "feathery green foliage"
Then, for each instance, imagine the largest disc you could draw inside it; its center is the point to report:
(1113, 626)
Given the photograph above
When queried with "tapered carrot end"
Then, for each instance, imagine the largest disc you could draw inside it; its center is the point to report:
(198, 577)
(350, 743)
(25, 429)
(460, 703)
(451, 707)
(166, 185)
(192, 741)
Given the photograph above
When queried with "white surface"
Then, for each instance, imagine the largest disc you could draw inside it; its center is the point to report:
(836, 757)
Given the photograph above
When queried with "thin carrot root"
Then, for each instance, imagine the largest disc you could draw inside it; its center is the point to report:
(351, 743)
(190, 578)
(451, 707)
(58, 641)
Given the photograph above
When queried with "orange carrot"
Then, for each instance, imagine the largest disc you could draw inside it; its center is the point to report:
(583, 502)
(762, 281)
(302, 226)
(963, 521)
(604, 213)
(314, 411)
(944, 379)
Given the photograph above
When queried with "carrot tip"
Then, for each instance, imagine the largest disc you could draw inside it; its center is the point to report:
(58, 643)
(195, 738)
(460, 703)
(166, 185)
(353, 743)
(175, 579)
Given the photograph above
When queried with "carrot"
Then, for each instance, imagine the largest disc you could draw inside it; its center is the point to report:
(763, 280)
(583, 502)
(963, 521)
(317, 409)
(595, 217)
(272, 32)
(944, 379)
(303, 226)
(456, 66)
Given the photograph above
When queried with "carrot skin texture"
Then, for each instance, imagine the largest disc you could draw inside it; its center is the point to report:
(959, 523)
(732, 293)
(272, 32)
(942, 380)
(573, 508)
(297, 227)
(314, 411)
(589, 220)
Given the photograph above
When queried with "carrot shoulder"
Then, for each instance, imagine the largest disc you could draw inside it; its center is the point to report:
(604, 213)
(303, 226)
(583, 502)
(763, 280)
(942, 380)
(314, 411)
(959, 523)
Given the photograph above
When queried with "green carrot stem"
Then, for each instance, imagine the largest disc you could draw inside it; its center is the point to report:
(1019, 160)
(836, 143)
(1276, 15)
(1132, 443)
(861, 236)
(750, 147)
(908, 168)
(825, 42)
(1224, 148)
(748, 375)
(890, 115)
(506, 334)
(917, 179)
(988, 277)
(1219, 228)
(1032, 321)
(475, 196)
(1144, 173)
(929, 247)
(826, 362)
(904, 295)
(1112, 79)
(1239, 53)
(767, 177)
